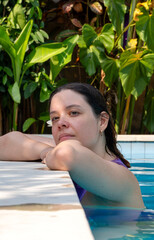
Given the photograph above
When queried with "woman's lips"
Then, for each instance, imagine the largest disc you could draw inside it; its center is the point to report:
(64, 137)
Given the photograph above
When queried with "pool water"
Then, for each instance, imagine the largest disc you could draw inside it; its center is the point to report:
(113, 223)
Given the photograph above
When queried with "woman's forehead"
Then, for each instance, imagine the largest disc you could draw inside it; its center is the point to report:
(67, 95)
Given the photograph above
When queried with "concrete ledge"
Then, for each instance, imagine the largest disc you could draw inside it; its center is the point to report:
(124, 137)
(135, 138)
(37, 204)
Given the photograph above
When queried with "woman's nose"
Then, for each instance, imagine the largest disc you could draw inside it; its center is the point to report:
(63, 123)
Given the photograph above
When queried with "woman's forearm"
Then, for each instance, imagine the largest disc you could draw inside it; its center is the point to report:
(16, 146)
(47, 140)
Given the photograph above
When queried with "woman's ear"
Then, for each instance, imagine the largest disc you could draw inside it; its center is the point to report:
(104, 119)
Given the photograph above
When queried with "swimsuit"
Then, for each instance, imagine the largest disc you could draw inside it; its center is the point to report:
(81, 191)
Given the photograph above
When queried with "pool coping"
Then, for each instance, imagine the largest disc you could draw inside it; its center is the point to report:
(73, 216)
(38, 203)
(124, 137)
(135, 138)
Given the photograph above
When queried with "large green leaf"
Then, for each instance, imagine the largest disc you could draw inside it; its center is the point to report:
(43, 53)
(135, 72)
(45, 92)
(149, 111)
(7, 44)
(81, 43)
(15, 92)
(145, 28)
(89, 34)
(106, 37)
(28, 123)
(146, 71)
(111, 68)
(22, 41)
(89, 59)
(116, 10)
(19, 15)
(57, 62)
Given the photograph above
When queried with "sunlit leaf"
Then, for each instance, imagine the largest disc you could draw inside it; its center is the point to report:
(89, 59)
(111, 68)
(39, 36)
(44, 34)
(145, 28)
(59, 61)
(43, 53)
(7, 44)
(135, 72)
(22, 41)
(116, 10)
(19, 15)
(15, 92)
(146, 71)
(89, 34)
(107, 37)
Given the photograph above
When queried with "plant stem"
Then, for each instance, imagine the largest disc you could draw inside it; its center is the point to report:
(15, 114)
(132, 8)
(143, 112)
(132, 104)
(125, 115)
(121, 34)
(117, 121)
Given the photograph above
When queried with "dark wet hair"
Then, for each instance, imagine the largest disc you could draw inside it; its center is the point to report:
(97, 102)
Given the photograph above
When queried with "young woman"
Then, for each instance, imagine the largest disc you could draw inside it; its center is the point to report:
(84, 144)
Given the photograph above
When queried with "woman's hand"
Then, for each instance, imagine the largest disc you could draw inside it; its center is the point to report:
(62, 156)
(44, 153)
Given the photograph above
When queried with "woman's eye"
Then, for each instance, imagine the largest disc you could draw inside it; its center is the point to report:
(53, 119)
(74, 113)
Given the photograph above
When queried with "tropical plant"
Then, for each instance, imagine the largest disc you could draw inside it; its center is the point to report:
(117, 51)
(17, 51)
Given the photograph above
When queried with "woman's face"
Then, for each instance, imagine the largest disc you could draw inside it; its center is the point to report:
(73, 118)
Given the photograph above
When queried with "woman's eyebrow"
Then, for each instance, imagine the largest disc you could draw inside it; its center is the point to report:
(73, 105)
(68, 107)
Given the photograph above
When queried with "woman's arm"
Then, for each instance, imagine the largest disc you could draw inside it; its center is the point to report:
(17, 146)
(101, 177)
(47, 140)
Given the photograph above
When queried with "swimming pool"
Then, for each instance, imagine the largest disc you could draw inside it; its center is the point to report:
(113, 223)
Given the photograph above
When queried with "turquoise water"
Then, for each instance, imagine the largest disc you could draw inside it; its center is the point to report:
(113, 223)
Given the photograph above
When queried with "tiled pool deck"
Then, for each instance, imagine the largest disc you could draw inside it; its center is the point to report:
(136, 146)
(37, 204)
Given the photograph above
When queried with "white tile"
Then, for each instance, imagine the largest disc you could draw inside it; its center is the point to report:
(149, 150)
(138, 150)
(126, 149)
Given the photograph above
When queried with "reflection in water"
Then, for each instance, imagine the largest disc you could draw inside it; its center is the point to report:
(120, 223)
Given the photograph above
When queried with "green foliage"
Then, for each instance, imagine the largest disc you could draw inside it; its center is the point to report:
(114, 49)
(136, 71)
(145, 29)
(116, 11)
(149, 110)
(58, 61)
(17, 51)
(28, 123)
(103, 52)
